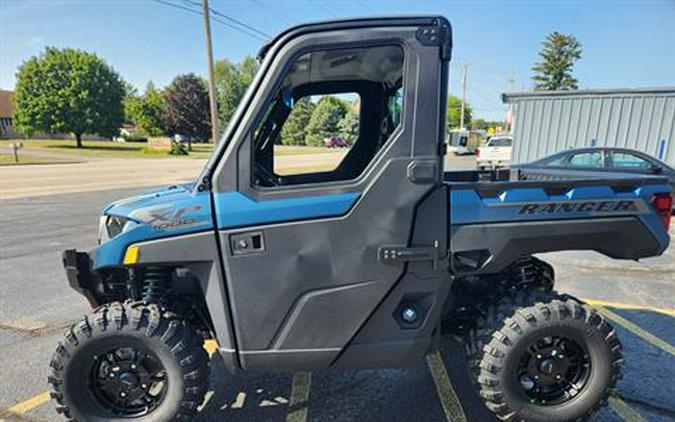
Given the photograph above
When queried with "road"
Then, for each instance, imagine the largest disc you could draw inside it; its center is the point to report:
(36, 305)
(95, 174)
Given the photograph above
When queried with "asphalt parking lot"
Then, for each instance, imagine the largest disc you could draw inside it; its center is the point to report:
(36, 305)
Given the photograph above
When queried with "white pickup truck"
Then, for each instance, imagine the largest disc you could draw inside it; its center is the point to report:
(495, 153)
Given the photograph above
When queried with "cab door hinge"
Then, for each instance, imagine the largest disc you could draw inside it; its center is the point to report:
(439, 33)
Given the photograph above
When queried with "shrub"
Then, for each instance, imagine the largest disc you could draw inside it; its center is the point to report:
(135, 137)
(178, 149)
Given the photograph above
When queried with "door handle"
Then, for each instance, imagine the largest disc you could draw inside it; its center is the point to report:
(247, 243)
(402, 254)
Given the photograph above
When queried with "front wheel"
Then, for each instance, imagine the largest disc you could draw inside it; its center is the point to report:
(554, 360)
(127, 362)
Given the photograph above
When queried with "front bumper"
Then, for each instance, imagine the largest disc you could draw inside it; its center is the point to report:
(81, 277)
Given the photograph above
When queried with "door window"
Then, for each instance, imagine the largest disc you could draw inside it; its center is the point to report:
(333, 112)
(587, 159)
(628, 161)
(499, 142)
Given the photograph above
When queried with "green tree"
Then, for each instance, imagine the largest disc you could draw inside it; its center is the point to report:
(349, 126)
(187, 107)
(554, 71)
(146, 112)
(232, 80)
(482, 124)
(68, 91)
(293, 131)
(455, 111)
(325, 118)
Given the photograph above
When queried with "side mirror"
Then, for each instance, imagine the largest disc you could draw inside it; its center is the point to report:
(656, 169)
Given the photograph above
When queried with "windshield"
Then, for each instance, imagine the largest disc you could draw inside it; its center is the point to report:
(500, 142)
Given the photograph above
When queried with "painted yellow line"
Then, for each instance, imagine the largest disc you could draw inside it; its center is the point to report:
(645, 335)
(451, 405)
(624, 411)
(211, 347)
(619, 305)
(302, 382)
(30, 404)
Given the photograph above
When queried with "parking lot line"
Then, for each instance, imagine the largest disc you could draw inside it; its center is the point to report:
(618, 305)
(297, 408)
(645, 335)
(624, 411)
(451, 406)
(211, 347)
(30, 404)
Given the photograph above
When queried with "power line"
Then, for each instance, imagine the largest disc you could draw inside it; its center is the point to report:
(188, 9)
(237, 22)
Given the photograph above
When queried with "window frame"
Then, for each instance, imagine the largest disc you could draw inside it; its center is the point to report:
(272, 94)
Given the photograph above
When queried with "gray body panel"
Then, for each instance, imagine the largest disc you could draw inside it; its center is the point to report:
(298, 303)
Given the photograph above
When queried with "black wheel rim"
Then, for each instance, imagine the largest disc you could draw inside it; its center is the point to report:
(553, 370)
(128, 381)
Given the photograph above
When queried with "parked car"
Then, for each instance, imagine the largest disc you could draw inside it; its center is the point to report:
(495, 153)
(599, 162)
(335, 142)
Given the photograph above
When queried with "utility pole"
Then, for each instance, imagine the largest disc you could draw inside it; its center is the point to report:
(461, 116)
(509, 114)
(215, 134)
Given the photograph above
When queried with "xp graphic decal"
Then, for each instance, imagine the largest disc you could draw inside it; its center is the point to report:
(169, 217)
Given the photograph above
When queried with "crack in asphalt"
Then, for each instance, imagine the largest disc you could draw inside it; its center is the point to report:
(34, 332)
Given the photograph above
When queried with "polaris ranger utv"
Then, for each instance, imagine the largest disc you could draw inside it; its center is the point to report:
(363, 265)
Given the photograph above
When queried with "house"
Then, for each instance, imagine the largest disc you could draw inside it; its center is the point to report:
(6, 128)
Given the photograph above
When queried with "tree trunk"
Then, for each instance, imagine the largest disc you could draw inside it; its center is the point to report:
(78, 139)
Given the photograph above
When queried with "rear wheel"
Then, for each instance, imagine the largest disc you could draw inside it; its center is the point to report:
(549, 359)
(129, 362)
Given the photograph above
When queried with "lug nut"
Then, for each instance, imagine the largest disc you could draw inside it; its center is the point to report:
(123, 394)
(144, 386)
(538, 356)
(558, 377)
(112, 375)
(133, 366)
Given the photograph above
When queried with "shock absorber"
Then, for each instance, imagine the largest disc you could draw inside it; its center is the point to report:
(156, 283)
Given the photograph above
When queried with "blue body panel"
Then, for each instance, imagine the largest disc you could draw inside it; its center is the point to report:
(234, 209)
(154, 211)
(467, 206)
(179, 211)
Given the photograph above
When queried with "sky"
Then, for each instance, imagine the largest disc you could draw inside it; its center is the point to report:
(625, 43)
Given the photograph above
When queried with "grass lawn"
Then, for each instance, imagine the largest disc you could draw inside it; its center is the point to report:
(137, 149)
(299, 150)
(8, 160)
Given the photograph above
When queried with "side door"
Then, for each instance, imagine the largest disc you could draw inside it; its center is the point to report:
(306, 233)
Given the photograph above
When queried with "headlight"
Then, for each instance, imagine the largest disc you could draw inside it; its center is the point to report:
(111, 226)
